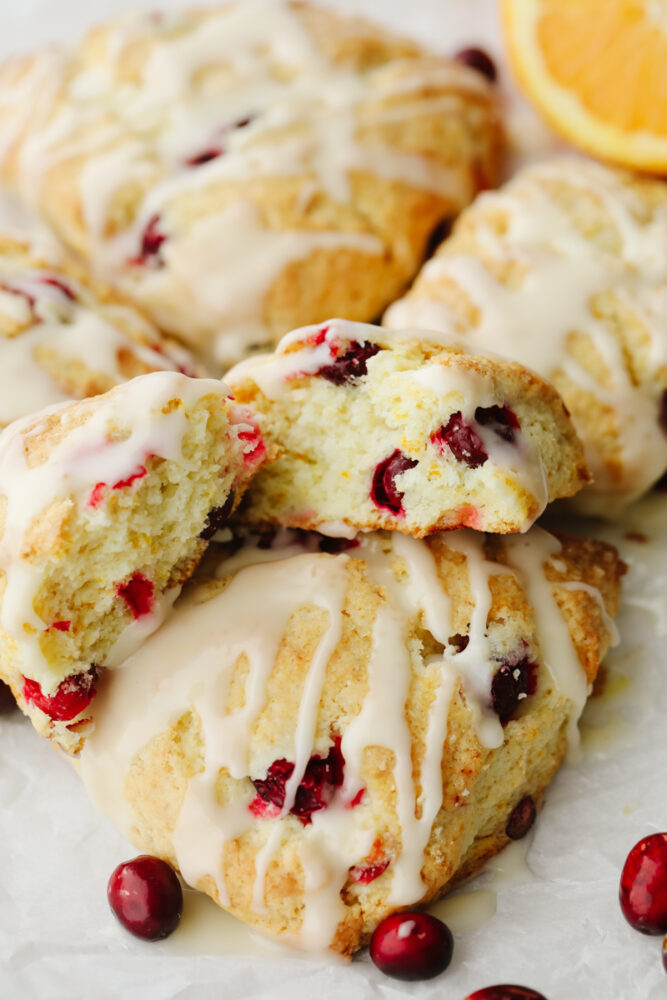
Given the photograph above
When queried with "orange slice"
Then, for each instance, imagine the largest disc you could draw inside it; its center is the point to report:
(597, 70)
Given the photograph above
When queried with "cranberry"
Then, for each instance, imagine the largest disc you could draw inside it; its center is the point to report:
(151, 243)
(479, 60)
(61, 626)
(462, 440)
(368, 873)
(501, 420)
(72, 696)
(521, 818)
(384, 492)
(7, 703)
(662, 413)
(513, 681)
(352, 365)
(96, 495)
(212, 153)
(321, 777)
(60, 285)
(506, 992)
(643, 889)
(146, 897)
(411, 946)
(217, 517)
(138, 594)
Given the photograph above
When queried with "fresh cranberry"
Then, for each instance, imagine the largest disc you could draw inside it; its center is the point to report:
(72, 696)
(60, 285)
(662, 415)
(512, 682)
(138, 473)
(500, 419)
(256, 449)
(479, 60)
(96, 495)
(411, 946)
(138, 594)
(352, 365)
(151, 244)
(521, 818)
(146, 897)
(364, 874)
(7, 703)
(506, 992)
(217, 517)
(321, 777)
(335, 545)
(643, 889)
(462, 440)
(384, 492)
(61, 626)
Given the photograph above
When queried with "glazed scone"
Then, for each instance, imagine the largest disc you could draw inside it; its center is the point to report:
(246, 169)
(339, 736)
(382, 429)
(106, 506)
(66, 336)
(565, 270)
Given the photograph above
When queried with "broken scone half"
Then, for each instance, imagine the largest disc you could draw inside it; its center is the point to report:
(343, 729)
(106, 506)
(381, 429)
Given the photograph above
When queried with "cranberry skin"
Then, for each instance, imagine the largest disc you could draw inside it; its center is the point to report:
(521, 818)
(384, 492)
(146, 897)
(462, 440)
(411, 946)
(643, 889)
(506, 992)
(322, 776)
(351, 366)
(479, 60)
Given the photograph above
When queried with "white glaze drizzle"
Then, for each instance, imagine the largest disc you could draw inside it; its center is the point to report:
(169, 676)
(565, 271)
(84, 456)
(152, 125)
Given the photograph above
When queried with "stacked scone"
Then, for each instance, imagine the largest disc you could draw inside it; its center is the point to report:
(362, 692)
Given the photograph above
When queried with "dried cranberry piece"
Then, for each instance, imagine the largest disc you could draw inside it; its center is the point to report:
(411, 946)
(146, 897)
(506, 992)
(151, 243)
(521, 819)
(352, 365)
(138, 594)
(500, 419)
(321, 777)
(512, 683)
(384, 492)
(479, 60)
(643, 888)
(72, 696)
(364, 874)
(662, 413)
(462, 440)
(217, 517)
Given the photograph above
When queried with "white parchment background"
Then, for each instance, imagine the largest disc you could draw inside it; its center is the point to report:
(556, 927)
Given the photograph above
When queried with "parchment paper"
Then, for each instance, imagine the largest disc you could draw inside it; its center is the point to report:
(545, 916)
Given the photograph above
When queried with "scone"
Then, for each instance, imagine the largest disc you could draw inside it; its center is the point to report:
(377, 429)
(243, 170)
(66, 336)
(565, 270)
(317, 740)
(106, 506)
